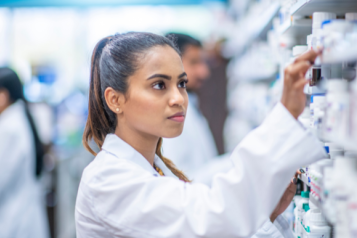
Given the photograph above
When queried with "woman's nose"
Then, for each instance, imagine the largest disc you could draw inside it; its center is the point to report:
(176, 97)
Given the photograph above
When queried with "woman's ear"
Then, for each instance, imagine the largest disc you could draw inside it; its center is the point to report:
(114, 100)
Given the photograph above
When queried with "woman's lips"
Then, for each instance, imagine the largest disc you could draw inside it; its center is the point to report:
(178, 117)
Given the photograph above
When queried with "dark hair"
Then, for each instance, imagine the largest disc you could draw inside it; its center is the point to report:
(114, 60)
(182, 41)
(11, 82)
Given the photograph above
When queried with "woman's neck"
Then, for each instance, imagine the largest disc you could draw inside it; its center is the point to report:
(143, 143)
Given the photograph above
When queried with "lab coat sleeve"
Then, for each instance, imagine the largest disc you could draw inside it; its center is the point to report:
(279, 229)
(10, 159)
(268, 230)
(237, 205)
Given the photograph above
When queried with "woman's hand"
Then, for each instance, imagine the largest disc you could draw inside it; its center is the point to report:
(293, 97)
(286, 198)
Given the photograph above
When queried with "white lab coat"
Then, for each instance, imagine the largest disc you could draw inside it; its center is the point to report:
(22, 210)
(195, 147)
(121, 195)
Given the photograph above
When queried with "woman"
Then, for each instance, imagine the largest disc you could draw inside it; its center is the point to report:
(22, 212)
(137, 96)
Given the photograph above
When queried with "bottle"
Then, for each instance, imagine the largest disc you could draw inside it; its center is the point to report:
(318, 226)
(344, 171)
(300, 212)
(319, 72)
(351, 16)
(337, 110)
(353, 112)
(307, 219)
(318, 114)
(352, 200)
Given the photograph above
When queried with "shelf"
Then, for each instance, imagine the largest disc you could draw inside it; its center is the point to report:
(296, 28)
(346, 144)
(250, 28)
(307, 7)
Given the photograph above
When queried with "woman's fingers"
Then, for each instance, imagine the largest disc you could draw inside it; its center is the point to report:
(298, 68)
(309, 56)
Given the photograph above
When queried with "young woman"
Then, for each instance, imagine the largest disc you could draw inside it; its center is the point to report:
(137, 96)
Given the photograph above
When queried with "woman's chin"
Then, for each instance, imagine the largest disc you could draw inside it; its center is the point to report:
(173, 133)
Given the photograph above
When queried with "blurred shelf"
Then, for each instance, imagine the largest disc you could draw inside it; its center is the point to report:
(304, 179)
(296, 28)
(343, 54)
(253, 26)
(307, 7)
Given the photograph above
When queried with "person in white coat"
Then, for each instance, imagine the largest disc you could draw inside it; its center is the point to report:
(194, 151)
(196, 143)
(22, 209)
(137, 96)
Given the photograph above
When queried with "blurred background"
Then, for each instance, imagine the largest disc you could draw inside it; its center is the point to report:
(48, 43)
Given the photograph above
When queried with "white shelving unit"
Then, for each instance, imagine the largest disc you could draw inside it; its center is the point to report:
(307, 7)
(251, 27)
(296, 27)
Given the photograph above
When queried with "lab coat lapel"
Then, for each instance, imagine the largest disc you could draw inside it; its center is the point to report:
(116, 146)
(122, 150)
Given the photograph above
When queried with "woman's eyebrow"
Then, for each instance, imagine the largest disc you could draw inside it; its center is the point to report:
(183, 74)
(159, 76)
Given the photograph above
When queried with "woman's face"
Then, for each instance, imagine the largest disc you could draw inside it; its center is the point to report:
(156, 101)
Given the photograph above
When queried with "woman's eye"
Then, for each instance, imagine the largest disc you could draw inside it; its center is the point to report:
(183, 83)
(159, 85)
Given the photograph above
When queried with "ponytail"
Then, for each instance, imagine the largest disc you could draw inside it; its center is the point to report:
(169, 164)
(98, 124)
(40, 152)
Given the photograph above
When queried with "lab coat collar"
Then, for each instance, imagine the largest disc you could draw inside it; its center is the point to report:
(119, 148)
(13, 108)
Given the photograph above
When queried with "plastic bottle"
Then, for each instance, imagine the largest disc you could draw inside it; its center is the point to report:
(307, 218)
(326, 201)
(300, 212)
(353, 111)
(318, 226)
(319, 72)
(352, 201)
(299, 50)
(351, 16)
(337, 110)
(318, 114)
(344, 170)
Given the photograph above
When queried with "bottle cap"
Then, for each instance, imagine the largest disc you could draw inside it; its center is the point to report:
(351, 16)
(319, 17)
(316, 218)
(305, 194)
(299, 49)
(327, 149)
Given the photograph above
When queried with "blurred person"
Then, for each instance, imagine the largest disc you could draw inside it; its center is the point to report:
(138, 96)
(22, 210)
(195, 147)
